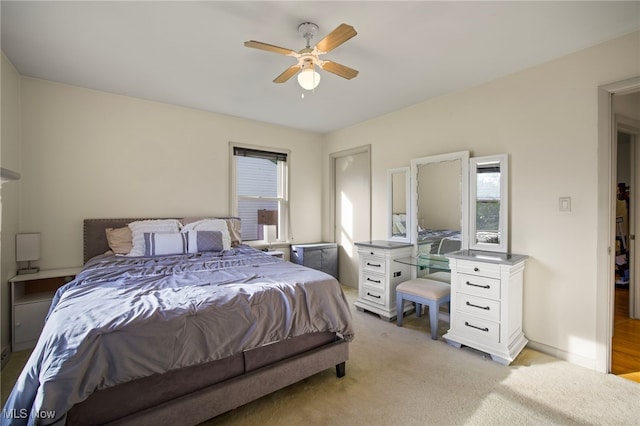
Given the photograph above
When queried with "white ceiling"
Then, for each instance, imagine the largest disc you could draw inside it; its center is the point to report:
(192, 54)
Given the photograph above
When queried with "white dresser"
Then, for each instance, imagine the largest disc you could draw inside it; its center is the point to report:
(379, 275)
(486, 303)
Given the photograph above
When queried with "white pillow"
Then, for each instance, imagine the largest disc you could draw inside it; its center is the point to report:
(139, 227)
(160, 244)
(207, 225)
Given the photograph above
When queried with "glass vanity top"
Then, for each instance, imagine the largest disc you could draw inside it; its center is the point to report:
(432, 261)
(487, 256)
(382, 244)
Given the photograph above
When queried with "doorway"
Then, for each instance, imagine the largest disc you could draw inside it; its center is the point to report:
(605, 232)
(625, 343)
(351, 210)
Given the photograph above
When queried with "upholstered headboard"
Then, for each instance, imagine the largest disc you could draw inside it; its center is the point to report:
(95, 238)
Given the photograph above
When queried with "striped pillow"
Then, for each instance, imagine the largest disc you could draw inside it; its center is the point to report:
(159, 244)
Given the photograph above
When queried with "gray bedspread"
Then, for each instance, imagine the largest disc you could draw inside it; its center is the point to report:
(125, 318)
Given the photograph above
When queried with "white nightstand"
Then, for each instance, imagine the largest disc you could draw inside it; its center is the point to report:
(31, 296)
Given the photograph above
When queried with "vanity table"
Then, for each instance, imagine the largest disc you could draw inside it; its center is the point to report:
(486, 303)
(379, 275)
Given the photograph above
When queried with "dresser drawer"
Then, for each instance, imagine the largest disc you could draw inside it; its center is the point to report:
(374, 280)
(374, 295)
(479, 268)
(478, 306)
(481, 330)
(372, 263)
(479, 286)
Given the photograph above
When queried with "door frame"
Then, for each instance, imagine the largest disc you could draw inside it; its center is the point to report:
(605, 272)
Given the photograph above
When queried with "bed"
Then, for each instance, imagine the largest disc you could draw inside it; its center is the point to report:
(177, 338)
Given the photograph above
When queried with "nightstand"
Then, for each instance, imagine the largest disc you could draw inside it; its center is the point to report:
(31, 296)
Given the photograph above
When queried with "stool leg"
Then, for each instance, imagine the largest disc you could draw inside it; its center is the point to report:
(418, 309)
(399, 308)
(433, 318)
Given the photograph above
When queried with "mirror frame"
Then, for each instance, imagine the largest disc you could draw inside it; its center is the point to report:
(463, 157)
(407, 199)
(503, 224)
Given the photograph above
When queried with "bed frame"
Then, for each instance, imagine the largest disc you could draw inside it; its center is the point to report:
(192, 395)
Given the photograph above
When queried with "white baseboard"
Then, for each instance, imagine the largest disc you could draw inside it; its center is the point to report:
(563, 355)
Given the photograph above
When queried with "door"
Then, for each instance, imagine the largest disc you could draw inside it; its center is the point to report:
(352, 208)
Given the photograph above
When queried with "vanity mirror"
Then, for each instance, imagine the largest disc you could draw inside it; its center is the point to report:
(398, 218)
(488, 204)
(440, 208)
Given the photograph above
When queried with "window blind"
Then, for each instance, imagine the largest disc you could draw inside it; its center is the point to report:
(256, 153)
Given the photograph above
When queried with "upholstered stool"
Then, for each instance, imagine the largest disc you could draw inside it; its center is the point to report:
(423, 291)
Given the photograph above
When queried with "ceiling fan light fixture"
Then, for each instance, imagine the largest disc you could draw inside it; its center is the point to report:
(308, 78)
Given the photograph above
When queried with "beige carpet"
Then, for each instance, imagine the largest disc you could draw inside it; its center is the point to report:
(399, 376)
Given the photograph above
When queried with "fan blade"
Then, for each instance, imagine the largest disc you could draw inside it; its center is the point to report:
(336, 37)
(269, 47)
(341, 70)
(287, 74)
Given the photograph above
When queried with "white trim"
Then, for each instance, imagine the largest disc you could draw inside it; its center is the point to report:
(284, 216)
(563, 355)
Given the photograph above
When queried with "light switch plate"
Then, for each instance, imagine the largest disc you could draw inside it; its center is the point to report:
(565, 204)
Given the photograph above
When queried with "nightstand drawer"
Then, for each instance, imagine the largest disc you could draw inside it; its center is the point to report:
(483, 330)
(478, 306)
(479, 286)
(374, 295)
(374, 280)
(479, 268)
(373, 264)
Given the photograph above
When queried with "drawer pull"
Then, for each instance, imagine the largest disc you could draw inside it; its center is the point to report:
(476, 269)
(374, 264)
(487, 286)
(486, 308)
(476, 327)
(373, 295)
(373, 281)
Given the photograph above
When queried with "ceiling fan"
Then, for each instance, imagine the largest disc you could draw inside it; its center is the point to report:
(309, 57)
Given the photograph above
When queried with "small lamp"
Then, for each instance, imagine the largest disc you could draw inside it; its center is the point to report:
(270, 233)
(27, 250)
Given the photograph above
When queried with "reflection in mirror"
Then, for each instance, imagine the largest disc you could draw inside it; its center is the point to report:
(440, 207)
(489, 204)
(398, 219)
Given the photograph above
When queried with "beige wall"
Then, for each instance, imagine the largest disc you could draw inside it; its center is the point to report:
(545, 118)
(10, 159)
(90, 154)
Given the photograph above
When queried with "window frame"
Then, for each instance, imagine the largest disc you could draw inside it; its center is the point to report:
(283, 201)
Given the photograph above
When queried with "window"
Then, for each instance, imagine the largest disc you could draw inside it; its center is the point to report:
(259, 191)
